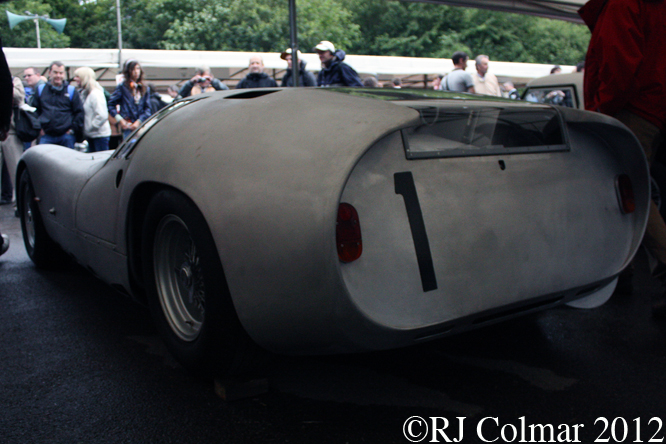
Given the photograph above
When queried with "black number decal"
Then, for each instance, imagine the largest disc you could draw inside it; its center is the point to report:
(404, 185)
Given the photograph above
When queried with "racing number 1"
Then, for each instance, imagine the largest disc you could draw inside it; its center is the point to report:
(404, 185)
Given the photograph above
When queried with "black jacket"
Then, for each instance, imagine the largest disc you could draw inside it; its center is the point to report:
(305, 78)
(156, 102)
(58, 112)
(256, 80)
(338, 73)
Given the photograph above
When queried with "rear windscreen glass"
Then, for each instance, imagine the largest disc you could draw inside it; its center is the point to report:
(448, 132)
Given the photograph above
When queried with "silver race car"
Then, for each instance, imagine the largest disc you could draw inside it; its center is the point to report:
(313, 221)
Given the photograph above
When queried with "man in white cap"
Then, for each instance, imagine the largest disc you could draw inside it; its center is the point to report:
(333, 71)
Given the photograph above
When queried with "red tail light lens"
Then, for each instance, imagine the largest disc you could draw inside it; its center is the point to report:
(625, 194)
(348, 233)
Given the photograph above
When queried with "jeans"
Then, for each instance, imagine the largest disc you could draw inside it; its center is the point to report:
(66, 140)
(98, 144)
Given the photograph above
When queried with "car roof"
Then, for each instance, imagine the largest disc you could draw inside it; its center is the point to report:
(575, 78)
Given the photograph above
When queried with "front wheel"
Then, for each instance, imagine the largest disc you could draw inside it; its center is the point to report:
(187, 291)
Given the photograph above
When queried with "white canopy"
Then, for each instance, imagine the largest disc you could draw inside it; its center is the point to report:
(167, 67)
(554, 9)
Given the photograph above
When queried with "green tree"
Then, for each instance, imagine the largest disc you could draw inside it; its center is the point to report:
(24, 34)
(259, 25)
(405, 29)
(553, 41)
(518, 38)
(373, 27)
(145, 22)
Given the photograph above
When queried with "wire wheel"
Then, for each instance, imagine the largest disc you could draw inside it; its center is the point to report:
(179, 278)
(187, 292)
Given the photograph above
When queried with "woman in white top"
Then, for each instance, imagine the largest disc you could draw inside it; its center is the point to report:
(96, 126)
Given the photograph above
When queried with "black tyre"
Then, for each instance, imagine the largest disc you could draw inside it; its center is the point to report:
(187, 291)
(42, 250)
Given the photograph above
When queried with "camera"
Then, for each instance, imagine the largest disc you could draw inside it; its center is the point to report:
(202, 79)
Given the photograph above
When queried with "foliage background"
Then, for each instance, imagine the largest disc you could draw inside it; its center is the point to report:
(370, 27)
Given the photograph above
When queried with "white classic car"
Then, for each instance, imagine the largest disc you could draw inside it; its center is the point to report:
(313, 221)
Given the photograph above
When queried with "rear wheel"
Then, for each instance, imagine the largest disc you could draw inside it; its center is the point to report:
(187, 291)
(42, 250)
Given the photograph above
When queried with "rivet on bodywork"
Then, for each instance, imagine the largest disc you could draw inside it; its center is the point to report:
(52, 211)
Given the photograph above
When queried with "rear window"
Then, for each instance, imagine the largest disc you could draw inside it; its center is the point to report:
(469, 131)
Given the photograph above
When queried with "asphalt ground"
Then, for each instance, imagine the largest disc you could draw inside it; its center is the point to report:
(81, 364)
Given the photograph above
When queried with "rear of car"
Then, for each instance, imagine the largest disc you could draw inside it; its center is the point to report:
(476, 213)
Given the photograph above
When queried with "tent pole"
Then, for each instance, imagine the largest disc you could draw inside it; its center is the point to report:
(120, 36)
(295, 65)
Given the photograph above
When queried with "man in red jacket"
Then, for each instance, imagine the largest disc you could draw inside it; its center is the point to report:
(625, 77)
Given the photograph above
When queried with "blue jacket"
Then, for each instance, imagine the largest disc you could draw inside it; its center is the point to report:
(130, 110)
(338, 73)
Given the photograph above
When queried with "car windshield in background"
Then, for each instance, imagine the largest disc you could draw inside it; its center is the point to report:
(552, 95)
(469, 131)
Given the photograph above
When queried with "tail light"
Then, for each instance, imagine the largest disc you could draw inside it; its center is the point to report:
(625, 194)
(348, 233)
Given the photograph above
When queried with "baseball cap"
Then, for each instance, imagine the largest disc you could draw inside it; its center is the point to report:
(287, 52)
(325, 45)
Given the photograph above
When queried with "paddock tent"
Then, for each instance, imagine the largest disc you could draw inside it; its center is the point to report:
(168, 67)
(554, 9)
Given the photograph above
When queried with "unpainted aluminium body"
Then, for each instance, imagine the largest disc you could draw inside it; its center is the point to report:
(507, 233)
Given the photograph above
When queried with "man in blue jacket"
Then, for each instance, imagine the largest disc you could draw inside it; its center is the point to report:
(59, 108)
(333, 71)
